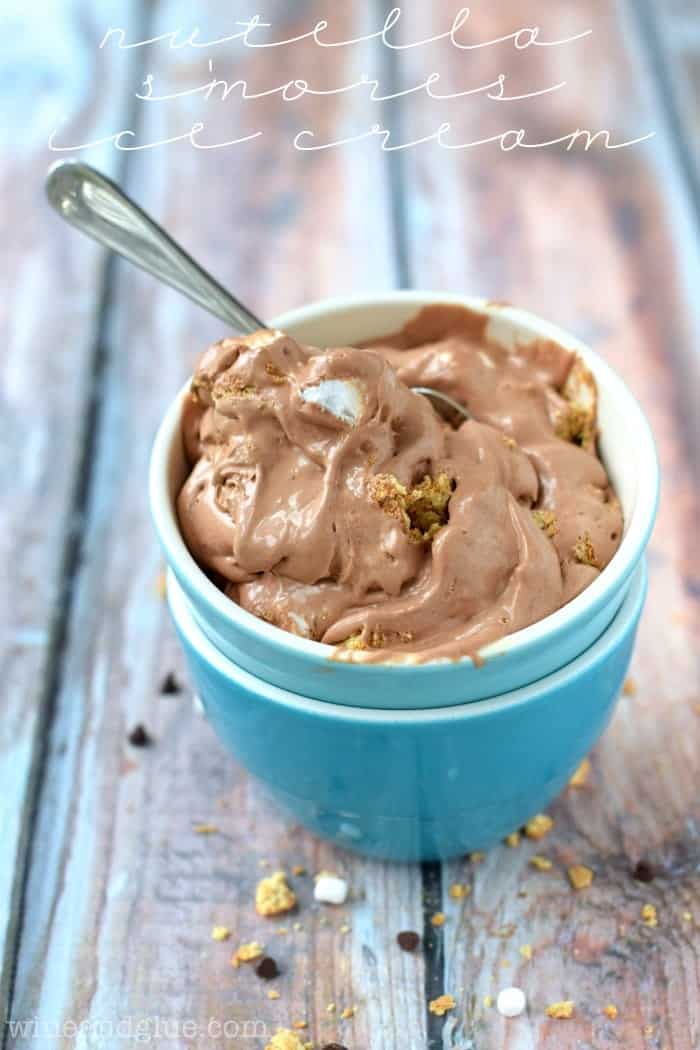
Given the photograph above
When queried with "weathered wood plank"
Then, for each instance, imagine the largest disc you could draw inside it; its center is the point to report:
(599, 243)
(123, 894)
(52, 284)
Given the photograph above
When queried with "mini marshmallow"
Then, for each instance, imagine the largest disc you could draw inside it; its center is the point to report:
(330, 888)
(511, 1002)
(341, 397)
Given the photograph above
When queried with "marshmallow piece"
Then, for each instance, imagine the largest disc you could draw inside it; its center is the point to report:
(330, 888)
(511, 1002)
(341, 397)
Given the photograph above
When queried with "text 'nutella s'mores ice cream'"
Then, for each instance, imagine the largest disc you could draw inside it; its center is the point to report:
(329, 499)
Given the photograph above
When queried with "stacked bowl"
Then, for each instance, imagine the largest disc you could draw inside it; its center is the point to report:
(415, 762)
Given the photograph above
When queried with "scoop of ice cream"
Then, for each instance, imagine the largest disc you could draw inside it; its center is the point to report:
(331, 500)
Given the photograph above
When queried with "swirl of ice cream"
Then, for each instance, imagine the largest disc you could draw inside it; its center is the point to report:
(329, 499)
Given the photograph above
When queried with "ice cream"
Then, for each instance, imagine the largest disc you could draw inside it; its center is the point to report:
(329, 499)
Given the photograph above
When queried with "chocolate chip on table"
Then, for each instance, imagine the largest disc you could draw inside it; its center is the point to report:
(643, 871)
(267, 968)
(170, 685)
(408, 940)
(140, 737)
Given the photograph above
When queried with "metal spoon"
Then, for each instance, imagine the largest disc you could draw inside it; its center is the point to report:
(87, 199)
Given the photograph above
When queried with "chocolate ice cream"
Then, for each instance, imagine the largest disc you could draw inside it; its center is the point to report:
(328, 498)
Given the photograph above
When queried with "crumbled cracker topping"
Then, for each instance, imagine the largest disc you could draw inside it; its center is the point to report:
(649, 915)
(438, 919)
(584, 552)
(513, 839)
(580, 876)
(610, 1011)
(247, 953)
(541, 863)
(547, 521)
(205, 829)
(539, 826)
(629, 687)
(273, 994)
(577, 422)
(284, 1039)
(459, 890)
(348, 1012)
(421, 510)
(562, 1011)
(442, 1005)
(220, 933)
(273, 895)
(580, 777)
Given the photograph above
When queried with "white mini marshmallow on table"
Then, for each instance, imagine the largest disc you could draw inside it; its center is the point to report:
(330, 888)
(511, 1002)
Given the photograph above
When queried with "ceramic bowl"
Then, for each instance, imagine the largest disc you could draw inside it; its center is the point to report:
(413, 785)
(304, 666)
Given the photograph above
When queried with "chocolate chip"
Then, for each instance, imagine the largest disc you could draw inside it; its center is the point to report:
(170, 685)
(139, 737)
(333, 1046)
(408, 940)
(267, 968)
(643, 871)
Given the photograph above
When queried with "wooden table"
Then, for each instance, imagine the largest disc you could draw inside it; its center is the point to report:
(107, 896)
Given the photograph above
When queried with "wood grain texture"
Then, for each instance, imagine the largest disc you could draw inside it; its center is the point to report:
(51, 283)
(600, 243)
(123, 894)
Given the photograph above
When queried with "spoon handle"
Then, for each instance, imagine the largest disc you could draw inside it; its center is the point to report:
(92, 202)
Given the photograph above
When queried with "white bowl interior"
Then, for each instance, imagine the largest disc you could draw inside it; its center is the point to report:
(626, 444)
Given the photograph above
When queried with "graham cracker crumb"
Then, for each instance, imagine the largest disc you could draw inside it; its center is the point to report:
(584, 552)
(578, 422)
(442, 1005)
(348, 1012)
(649, 915)
(247, 953)
(273, 896)
(580, 777)
(547, 521)
(580, 876)
(541, 863)
(539, 826)
(562, 1011)
(273, 994)
(220, 933)
(438, 919)
(648, 1029)
(283, 1039)
(513, 839)
(300, 1025)
(629, 687)
(205, 829)
(610, 1011)
(421, 510)
(459, 890)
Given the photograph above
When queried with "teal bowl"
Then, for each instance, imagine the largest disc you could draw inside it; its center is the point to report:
(417, 784)
(304, 666)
